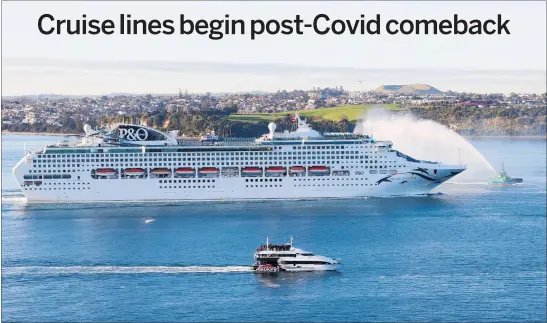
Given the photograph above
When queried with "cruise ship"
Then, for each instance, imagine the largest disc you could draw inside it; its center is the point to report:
(131, 162)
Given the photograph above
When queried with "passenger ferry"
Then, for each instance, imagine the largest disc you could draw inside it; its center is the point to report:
(132, 162)
(274, 258)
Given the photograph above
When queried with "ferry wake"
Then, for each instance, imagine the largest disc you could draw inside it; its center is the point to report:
(137, 163)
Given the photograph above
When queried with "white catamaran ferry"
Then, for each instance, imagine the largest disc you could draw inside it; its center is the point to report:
(132, 162)
(274, 258)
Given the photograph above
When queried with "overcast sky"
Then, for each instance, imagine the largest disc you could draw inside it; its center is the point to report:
(63, 64)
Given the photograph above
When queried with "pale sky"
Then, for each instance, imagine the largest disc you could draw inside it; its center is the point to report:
(86, 64)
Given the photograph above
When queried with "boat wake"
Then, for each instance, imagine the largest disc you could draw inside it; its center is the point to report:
(91, 270)
(11, 190)
(13, 195)
(14, 199)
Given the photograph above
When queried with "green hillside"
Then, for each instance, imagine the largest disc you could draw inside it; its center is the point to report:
(408, 89)
(352, 112)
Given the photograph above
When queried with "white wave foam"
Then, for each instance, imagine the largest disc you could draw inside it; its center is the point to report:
(8, 190)
(14, 199)
(467, 183)
(88, 270)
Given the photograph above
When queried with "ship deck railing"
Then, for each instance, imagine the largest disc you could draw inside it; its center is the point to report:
(220, 142)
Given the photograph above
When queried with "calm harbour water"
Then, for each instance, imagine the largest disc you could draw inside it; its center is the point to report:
(468, 254)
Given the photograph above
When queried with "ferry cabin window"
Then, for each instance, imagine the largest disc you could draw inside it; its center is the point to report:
(278, 255)
(304, 262)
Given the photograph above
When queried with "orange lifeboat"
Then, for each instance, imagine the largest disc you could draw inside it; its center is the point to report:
(105, 171)
(208, 170)
(298, 169)
(185, 170)
(133, 171)
(276, 169)
(160, 171)
(251, 171)
(318, 170)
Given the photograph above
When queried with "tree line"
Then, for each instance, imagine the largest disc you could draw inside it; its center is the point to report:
(520, 121)
(464, 120)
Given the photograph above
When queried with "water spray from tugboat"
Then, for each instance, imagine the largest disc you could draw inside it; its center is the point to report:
(426, 140)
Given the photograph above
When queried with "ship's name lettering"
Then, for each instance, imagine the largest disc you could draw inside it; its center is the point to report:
(131, 134)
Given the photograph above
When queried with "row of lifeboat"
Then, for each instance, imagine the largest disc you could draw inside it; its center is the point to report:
(191, 172)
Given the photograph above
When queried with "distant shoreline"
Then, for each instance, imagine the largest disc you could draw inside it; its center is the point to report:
(82, 135)
(506, 137)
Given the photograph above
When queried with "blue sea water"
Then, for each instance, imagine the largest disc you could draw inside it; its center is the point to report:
(469, 253)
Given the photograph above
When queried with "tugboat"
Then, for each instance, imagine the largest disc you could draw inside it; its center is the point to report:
(275, 258)
(503, 179)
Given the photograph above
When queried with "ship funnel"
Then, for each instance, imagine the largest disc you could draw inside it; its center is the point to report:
(272, 126)
(89, 131)
(174, 134)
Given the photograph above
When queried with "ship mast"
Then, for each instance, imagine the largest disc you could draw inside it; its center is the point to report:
(296, 122)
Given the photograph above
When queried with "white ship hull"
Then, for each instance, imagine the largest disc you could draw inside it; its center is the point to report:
(350, 167)
(304, 268)
(87, 189)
